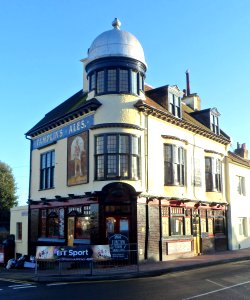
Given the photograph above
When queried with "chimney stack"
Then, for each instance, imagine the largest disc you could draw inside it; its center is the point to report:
(242, 150)
(187, 83)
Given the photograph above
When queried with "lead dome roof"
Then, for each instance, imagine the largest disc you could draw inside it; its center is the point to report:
(116, 42)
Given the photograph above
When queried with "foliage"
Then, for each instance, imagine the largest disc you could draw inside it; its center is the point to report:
(8, 197)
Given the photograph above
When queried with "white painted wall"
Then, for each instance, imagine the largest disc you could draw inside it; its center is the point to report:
(20, 214)
(239, 206)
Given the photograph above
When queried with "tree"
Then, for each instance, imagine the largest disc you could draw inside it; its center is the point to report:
(8, 197)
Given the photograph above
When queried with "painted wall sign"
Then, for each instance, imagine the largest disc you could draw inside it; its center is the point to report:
(64, 132)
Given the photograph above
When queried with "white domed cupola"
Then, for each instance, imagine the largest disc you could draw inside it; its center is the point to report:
(116, 63)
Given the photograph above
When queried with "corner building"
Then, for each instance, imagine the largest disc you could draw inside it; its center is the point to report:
(122, 157)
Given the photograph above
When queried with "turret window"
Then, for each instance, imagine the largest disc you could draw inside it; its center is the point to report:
(112, 80)
(115, 81)
(100, 82)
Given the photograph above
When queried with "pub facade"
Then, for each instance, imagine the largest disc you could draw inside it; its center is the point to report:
(120, 156)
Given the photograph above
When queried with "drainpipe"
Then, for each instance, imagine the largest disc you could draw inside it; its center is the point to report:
(147, 230)
(29, 212)
(160, 224)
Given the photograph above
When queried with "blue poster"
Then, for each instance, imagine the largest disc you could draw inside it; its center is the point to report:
(119, 246)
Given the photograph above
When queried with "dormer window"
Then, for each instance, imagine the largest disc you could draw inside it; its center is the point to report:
(175, 105)
(214, 121)
(215, 124)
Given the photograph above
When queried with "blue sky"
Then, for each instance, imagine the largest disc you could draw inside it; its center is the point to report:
(42, 42)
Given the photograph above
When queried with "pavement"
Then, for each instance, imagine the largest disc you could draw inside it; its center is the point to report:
(146, 269)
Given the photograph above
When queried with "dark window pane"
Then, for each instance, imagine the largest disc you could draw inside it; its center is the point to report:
(111, 81)
(124, 144)
(123, 81)
(111, 144)
(100, 82)
(47, 170)
(112, 166)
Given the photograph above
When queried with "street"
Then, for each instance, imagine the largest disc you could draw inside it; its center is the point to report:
(227, 281)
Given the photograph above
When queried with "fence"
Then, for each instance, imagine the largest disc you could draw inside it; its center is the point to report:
(71, 267)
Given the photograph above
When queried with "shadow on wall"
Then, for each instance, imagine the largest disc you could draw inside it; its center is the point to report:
(239, 241)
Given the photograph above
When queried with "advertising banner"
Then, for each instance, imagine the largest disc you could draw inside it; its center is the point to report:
(86, 252)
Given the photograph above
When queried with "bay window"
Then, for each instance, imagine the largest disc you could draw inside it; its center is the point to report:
(116, 156)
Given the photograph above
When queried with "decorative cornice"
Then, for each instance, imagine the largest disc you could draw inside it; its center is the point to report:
(213, 152)
(122, 125)
(167, 117)
(170, 137)
(90, 106)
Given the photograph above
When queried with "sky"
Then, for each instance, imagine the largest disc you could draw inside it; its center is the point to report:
(43, 41)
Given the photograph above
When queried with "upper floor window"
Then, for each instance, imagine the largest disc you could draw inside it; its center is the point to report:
(112, 80)
(175, 105)
(215, 124)
(174, 165)
(116, 156)
(116, 80)
(213, 174)
(241, 185)
(123, 81)
(100, 82)
(92, 82)
(214, 120)
(47, 167)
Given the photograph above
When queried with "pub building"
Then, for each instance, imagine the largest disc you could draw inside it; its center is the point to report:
(120, 156)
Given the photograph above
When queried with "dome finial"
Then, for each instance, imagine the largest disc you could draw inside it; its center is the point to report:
(116, 23)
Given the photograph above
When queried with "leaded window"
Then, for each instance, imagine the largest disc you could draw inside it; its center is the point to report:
(116, 156)
(100, 82)
(123, 81)
(111, 80)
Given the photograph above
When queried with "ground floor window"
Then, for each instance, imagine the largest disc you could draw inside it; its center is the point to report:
(177, 221)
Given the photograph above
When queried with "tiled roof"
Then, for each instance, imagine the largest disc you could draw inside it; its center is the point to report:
(72, 107)
(187, 121)
(238, 159)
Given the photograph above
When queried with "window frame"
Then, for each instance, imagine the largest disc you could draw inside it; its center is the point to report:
(134, 83)
(241, 187)
(19, 231)
(110, 156)
(215, 124)
(175, 165)
(174, 105)
(47, 170)
(213, 175)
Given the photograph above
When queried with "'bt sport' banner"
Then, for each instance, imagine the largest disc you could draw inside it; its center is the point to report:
(88, 252)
